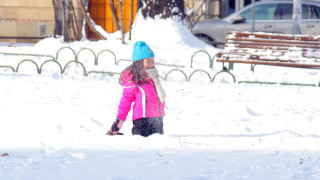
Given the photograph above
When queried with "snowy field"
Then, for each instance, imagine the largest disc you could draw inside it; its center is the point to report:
(53, 126)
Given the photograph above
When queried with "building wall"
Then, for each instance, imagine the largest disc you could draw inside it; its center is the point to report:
(26, 19)
(216, 9)
(210, 9)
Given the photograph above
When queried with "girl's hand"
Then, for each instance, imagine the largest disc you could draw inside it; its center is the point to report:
(116, 126)
(113, 133)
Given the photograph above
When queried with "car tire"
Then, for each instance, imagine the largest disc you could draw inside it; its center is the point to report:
(207, 39)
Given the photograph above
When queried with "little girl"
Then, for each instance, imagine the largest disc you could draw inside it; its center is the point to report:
(141, 85)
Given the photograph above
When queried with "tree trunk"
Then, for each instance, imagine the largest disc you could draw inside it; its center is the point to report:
(75, 21)
(64, 22)
(114, 15)
(164, 8)
(195, 18)
(121, 22)
(88, 20)
(131, 17)
(63, 18)
(71, 24)
(55, 19)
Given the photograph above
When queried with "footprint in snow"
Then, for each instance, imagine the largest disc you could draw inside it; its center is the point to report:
(253, 113)
(98, 123)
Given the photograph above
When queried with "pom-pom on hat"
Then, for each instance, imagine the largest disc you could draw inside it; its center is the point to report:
(141, 51)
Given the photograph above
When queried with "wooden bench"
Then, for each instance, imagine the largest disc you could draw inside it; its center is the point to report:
(300, 51)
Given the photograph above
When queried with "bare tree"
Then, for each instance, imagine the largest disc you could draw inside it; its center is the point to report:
(55, 18)
(131, 17)
(69, 24)
(74, 21)
(164, 8)
(89, 21)
(119, 25)
(65, 10)
(121, 22)
(193, 16)
(114, 15)
(149, 8)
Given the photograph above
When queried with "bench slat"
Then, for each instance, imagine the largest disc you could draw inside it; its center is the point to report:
(275, 63)
(313, 44)
(274, 36)
(278, 53)
(271, 46)
(256, 57)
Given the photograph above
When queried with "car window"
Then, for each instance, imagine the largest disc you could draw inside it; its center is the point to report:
(315, 12)
(283, 11)
(305, 11)
(262, 12)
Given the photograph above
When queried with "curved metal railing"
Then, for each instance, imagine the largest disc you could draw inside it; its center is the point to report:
(96, 58)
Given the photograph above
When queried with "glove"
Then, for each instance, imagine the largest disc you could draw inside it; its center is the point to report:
(111, 134)
(116, 126)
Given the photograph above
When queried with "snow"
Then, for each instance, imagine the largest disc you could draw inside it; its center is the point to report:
(53, 126)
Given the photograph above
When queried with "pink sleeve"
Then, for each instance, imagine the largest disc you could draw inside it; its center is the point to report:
(128, 96)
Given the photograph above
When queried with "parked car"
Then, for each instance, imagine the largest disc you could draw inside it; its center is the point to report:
(270, 16)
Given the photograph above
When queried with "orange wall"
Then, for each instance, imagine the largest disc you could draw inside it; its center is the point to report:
(100, 12)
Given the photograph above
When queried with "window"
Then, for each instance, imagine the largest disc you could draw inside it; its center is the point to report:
(262, 12)
(284, 11)
(305, 11)
(315, 12)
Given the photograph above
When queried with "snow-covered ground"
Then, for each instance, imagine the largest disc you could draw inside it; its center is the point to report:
(53, 126)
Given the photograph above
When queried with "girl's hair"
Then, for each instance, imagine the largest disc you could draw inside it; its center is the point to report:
(137, 71)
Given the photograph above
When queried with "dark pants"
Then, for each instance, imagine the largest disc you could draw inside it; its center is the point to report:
(147, 126)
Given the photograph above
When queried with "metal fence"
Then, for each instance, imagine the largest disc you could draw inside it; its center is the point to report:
(39, 66)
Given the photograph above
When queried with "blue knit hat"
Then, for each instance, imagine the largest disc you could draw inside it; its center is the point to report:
(141, 51)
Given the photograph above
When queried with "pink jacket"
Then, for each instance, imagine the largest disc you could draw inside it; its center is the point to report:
(145, 98)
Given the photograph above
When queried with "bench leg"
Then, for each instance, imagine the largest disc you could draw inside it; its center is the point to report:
(252, 67)
(231, 65)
